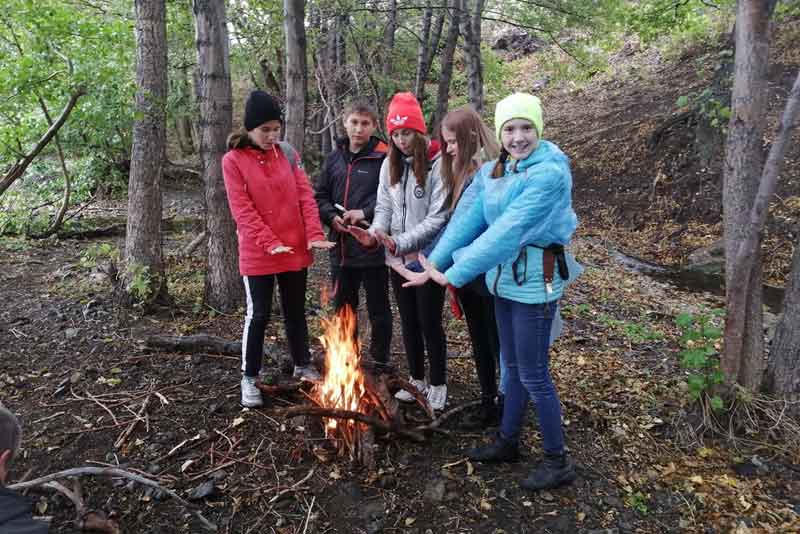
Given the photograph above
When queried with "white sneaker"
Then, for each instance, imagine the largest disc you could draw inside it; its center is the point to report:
(251, 395)
(405, 396)
(307, 373)
(437, 396)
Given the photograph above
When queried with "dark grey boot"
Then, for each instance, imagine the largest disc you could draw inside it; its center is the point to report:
(554, 470)
(499, 450)
(485, 416)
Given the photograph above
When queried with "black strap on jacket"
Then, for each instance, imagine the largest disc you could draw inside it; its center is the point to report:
(552, 254)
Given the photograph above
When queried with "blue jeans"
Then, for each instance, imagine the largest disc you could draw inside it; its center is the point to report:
(555, 331)
(524, 331)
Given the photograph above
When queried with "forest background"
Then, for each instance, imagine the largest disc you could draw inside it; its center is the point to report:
(677, 115)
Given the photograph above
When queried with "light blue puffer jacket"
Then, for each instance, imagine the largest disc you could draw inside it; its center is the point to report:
(497, 218)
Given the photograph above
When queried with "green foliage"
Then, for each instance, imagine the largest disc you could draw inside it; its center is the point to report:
(700, 339)
(95, 254)
(638, 501)
(635, 332)
(30, 204)
(140, 282)
(690, 20)
(708, 106)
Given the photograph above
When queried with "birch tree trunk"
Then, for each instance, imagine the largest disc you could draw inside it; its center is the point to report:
(142, 279)
(223, 286)
(296, 71)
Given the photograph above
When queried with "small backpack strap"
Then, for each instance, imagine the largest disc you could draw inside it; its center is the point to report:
(290, 153)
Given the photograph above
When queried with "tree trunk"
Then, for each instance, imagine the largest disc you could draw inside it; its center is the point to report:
(270, 81)
(422, 54)
(183, 122)
(142, 279)
(223, 286)
(447, 64)
(296, 79)
(783, 369)
(431, 47)
(471, 17)
(388, 39)
(742, 361)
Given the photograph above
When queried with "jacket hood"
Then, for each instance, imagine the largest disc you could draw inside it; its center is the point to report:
(434, 149)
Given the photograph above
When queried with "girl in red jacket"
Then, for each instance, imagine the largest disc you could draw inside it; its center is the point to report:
(278, 224)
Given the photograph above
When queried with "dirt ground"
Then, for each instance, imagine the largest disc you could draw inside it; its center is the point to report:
(78, 373)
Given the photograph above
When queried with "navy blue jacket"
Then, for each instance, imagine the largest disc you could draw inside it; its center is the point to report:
(16, 514)
(350, 180)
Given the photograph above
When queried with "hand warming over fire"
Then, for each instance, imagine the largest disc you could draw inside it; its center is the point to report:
(363, 236)
(418, 279)
(386, 241)
(281, 249)
(325, 245)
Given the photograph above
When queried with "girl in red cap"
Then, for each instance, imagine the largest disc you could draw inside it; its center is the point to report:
(277, 224)
(410, 210)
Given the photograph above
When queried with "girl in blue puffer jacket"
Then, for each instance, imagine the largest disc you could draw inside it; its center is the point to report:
(514, 231)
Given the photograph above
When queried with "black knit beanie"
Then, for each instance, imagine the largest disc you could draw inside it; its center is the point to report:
(260, 108)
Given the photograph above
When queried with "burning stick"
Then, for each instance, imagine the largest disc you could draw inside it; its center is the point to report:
(375, 422)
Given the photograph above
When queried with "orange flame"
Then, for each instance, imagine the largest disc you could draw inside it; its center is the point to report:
(343, 386)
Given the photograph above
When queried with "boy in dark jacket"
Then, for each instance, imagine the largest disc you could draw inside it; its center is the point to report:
(16, 515)
(345, 192)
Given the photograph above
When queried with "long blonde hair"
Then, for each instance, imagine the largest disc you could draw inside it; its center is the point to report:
(476, 144)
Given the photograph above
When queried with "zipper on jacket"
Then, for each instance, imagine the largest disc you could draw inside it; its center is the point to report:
(347, 191)
(497, 279)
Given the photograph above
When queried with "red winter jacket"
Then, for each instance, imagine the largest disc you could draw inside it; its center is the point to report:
(273, 205)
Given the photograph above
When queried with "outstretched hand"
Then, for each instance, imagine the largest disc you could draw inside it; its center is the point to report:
(414, 279)
(388, 242)
(282, 249)
(418, 279)
(362, 236)
(432, 271)
(325, 245)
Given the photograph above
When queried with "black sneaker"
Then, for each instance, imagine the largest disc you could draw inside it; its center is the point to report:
(499, 450)
(554, 471)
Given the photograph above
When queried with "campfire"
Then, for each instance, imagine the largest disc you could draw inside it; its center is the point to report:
(344, 385)
(356, 398)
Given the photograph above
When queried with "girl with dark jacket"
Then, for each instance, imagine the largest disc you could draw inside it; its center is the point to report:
(277, 225)
(409, 212)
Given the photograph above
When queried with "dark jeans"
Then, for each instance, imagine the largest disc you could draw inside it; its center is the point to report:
(524, 342)
(258, 290)
(346, 281)
(421, 319)
(478, 309)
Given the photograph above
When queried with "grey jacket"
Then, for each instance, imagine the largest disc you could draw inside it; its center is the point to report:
(410, 214)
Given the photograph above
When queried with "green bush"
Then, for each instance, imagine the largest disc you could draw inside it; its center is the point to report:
(700, 340)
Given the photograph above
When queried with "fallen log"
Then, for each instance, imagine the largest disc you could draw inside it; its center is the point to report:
(194, 343)
(92, 233)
